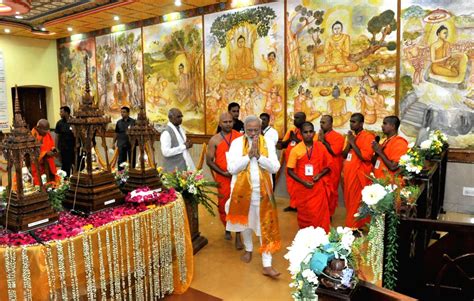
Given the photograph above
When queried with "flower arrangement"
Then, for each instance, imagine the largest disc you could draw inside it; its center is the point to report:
(193, 186)
(379, 202)
(413, 161)
(409, 194)
(435, 144)
(146, 195)
(121, 176)
(311, 257)
(57, 191)
(70, 225)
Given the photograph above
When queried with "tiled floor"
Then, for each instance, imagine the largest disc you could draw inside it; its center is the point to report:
(219, 272)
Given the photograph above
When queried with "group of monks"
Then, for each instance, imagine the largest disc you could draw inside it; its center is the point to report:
(316, 162)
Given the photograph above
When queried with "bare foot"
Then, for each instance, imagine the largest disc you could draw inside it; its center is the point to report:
(227, 235)
(270, 272)
(238, 242)
(246, 257)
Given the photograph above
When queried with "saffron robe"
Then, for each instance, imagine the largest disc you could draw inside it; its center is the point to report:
(356, 172)
(336, 141)
(394, 147)
(313, 204)
(224, 182)
(46, 163)
(290, 183)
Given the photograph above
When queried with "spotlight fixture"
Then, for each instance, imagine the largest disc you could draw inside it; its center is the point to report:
(43, 29)
(69, 29)
(116, 18)
(7, 30)
(19, 17)
(177, 2)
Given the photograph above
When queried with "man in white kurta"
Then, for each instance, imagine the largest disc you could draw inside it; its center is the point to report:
(175, 145)
(237, 162)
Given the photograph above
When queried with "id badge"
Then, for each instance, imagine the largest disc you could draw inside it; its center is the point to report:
(308, 169)
(293, 143)
(349, 157)
(377, 164)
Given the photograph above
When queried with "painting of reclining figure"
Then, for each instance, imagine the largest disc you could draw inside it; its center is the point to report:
(436, 78)
(341, 59)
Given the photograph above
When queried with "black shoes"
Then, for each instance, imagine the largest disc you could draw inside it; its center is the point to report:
(290, 209)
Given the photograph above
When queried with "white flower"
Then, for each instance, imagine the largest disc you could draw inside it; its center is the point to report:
(356, 214)
(192, 189)
(372, 194)
(411, 145)
(61, 173)
(391, 187)
(405, 193)
(2, 189)
(347, 238)
(124, 164)
(426, 144)
(310, 276)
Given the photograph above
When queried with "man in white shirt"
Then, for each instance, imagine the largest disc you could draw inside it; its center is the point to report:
(268, 131)
(251, 160)
(175, 145)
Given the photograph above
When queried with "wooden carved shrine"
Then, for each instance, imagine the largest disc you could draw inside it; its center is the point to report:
(28, 206)
(93, 188)
(142, 136)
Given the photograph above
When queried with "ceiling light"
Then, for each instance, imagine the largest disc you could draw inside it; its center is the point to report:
(69, 29)
(19, 17)
(43, 29)
(13, 7)
(177, 2)
(116, 18)
(6, 30)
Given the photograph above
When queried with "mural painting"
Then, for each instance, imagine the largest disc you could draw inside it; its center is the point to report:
(119, 72)
(341, 59)
(173, 56)
(72, 71)
(244, 54)
(436, 80)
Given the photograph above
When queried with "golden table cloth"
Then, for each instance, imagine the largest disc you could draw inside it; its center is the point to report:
(139, 257)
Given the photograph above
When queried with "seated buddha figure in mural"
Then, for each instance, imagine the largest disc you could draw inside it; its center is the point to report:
(120, 93)
(241, 65)
(336, 52)
(337, 108)
(443, 62)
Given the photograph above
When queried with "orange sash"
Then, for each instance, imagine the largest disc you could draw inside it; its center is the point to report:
(240, 202)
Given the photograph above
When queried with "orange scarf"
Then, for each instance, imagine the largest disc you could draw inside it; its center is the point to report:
(240, 202)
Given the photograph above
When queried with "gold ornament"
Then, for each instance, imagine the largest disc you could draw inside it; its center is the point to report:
(25, 264)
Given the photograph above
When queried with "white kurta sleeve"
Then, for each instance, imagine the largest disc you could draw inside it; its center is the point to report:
(270, 163)
(235, 161)
(166, 149)
(273, 136)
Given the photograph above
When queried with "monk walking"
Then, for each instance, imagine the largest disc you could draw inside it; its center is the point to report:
(334, 143)
(388, 154)
(357, 166)
(48, 152)
(292, 138)
(309, 165)
(219, 145)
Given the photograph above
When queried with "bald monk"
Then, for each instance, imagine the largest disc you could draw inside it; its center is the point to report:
(219, 145)
(334, 144)
(388, 154)
(47, 153)
(291, 139)
(309, 165)
(357, 166)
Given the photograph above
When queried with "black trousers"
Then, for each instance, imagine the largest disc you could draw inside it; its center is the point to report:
(125, 154)
(67, 160)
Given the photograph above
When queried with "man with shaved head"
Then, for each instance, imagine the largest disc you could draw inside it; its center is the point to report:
(47, 153)
(216, 159)
(357, 166)
(334, 144)
(175, 144)
(389, 152)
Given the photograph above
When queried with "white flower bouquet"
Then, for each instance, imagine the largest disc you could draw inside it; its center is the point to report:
(435, 144)
(309, 256)
(413, 161)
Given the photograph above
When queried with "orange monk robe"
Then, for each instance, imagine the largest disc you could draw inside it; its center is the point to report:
(356, 178)
(290, 183)
(313, 204)
(46, 163)
(394, 148)
(224, 182)
(336, 141)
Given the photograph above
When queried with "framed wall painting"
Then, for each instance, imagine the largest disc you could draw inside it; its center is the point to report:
(173, 73)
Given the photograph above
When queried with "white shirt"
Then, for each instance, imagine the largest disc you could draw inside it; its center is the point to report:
(236, 163)
(270, 134)
(169, 151)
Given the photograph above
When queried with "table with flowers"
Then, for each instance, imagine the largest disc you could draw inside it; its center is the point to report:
(140, 250)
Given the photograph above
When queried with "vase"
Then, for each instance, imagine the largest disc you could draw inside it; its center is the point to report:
(192, 210)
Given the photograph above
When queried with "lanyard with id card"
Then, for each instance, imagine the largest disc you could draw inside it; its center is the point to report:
(308, 168)
(377, 164)
(349, 156)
